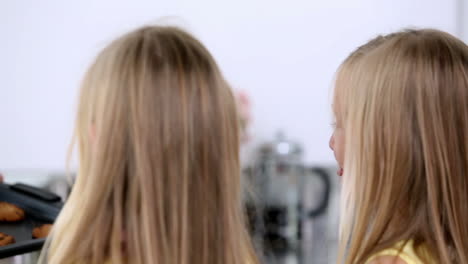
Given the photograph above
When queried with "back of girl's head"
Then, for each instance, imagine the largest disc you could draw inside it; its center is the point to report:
(159, 172)
(403, 101)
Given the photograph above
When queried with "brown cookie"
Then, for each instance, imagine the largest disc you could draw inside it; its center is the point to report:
(6, 239)
(10, 212)
(41, 231)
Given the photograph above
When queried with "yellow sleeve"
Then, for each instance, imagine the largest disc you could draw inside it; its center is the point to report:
(394, 252)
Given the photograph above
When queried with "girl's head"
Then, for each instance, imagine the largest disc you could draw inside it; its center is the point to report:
(337, 142)
(401, 105)
(158, 139)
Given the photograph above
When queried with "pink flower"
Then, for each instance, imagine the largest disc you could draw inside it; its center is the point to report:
(244, 109)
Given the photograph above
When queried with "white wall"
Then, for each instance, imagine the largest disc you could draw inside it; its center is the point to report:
(283, 53)
(462, 19)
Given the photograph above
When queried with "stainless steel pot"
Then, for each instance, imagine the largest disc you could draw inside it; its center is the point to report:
(30, 258)
(290, 204)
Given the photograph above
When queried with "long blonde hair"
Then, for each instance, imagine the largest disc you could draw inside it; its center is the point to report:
(403, 99)
(158, 141)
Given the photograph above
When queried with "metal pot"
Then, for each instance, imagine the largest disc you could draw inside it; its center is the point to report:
(29, 258)
(288, 195)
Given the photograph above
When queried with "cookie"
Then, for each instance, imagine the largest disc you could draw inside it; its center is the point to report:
(6, 239)
(41, 231)
(10, 212)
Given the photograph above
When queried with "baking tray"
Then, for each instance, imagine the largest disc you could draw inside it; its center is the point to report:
(40, 206)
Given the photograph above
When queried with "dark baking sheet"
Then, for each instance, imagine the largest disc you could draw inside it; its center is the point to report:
(37, 213)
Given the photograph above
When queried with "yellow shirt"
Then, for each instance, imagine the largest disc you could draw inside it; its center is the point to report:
(407, 254)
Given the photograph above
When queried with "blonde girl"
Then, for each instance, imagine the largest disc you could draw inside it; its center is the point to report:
(401, 139)
(158, 140)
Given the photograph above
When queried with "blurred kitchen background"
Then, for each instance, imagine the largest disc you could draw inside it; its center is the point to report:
(279, 56)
